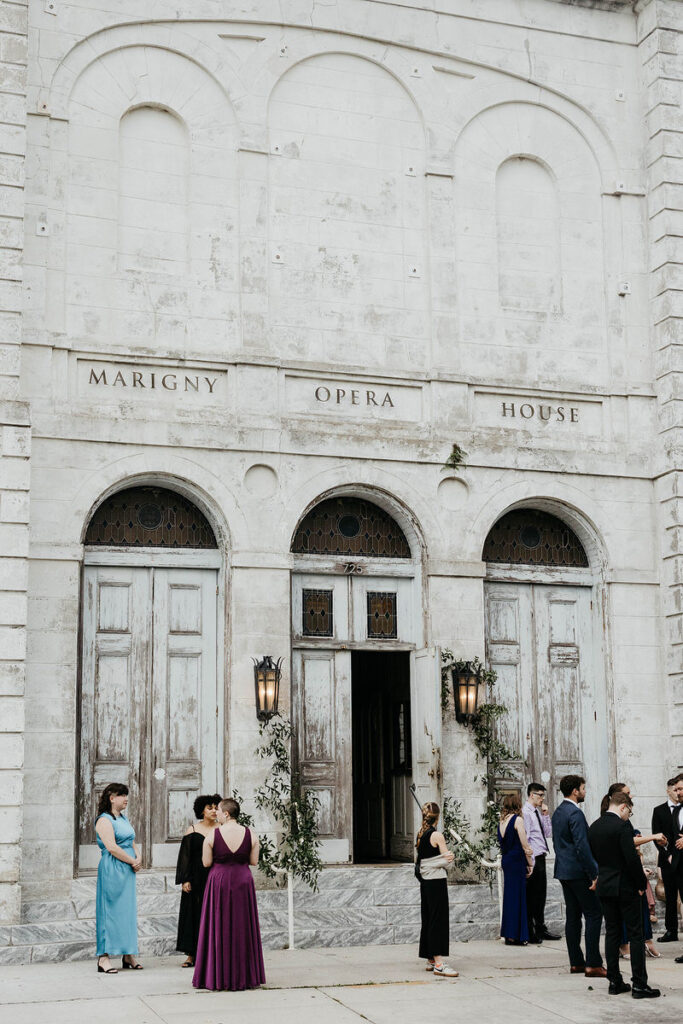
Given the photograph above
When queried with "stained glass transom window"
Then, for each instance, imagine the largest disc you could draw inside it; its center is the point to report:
(382, 621)
(149, 517)
(318, 617)
(349, 527)
(527, 536)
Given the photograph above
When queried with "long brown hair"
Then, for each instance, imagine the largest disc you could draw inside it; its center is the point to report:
(430, 816)
(512, 804)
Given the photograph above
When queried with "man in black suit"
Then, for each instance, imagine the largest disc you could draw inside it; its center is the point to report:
(662, 821)
(621, 884)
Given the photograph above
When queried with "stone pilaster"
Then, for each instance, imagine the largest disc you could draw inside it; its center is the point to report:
(660, 36)
(15, 438)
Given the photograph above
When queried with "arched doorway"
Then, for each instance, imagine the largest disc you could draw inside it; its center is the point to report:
(148, 667)
(356, 626)
(542, 642)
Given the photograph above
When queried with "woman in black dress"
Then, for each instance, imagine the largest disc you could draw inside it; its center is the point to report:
(433, 895)
(191, 874)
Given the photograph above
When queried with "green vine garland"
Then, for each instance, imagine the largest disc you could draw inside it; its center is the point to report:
(293, 809)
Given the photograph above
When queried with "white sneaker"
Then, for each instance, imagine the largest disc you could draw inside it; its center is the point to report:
(430, 965)
(444, 971)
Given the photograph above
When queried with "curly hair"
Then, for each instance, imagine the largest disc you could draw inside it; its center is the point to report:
(430, 816)
(205, 800)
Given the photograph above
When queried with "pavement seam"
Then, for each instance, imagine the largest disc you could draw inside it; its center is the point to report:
(151, 1008)
(339, 1002)
(527, 998)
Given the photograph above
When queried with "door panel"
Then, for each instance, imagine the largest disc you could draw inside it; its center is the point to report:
(184, 749)
(393, 606)
(115, 657)
(425, 698)
(539, 641)
(321, 708)
(510, 655)
(148, 701)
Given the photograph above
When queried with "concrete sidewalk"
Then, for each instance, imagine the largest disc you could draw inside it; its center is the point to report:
(380, 984)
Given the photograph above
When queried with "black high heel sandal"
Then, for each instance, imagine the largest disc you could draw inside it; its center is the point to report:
(127, 966)
(101, 970)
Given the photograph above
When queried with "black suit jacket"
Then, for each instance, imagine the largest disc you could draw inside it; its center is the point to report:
(663, 821)
(620, 871)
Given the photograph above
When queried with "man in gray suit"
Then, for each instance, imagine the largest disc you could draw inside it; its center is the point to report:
(577, 870)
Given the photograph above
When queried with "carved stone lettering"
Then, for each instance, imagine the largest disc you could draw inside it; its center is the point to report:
(150, 382)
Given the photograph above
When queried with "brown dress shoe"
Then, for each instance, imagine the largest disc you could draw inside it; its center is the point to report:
(577, 970)
(596, 972)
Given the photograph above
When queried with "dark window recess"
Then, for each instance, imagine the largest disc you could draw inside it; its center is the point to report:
(382, 620)
(349, 527)
(527, 536)
(318, 618)
(149, 517)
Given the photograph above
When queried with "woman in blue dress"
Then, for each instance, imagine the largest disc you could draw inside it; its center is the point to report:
(116, 914)
(517, 862)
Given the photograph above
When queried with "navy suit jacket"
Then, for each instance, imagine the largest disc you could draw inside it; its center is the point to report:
(573, 856)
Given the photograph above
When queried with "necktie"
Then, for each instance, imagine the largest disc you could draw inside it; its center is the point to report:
(541, 828)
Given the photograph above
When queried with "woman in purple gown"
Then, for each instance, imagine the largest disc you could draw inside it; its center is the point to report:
(229, 953)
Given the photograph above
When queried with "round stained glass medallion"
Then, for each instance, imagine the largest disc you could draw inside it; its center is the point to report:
(530, 536)
(149, 516)
(349, 526)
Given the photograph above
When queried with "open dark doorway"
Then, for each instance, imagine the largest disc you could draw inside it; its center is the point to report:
(382, 766)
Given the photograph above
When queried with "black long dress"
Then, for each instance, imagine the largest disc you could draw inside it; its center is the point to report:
(433, 906)
(190, 869)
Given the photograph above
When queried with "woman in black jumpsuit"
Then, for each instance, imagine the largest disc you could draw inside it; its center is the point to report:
(191, 875)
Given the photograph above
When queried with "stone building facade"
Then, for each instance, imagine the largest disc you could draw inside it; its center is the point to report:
(262, 268)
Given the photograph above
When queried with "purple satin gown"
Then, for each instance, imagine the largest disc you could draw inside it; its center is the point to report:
(229, 953)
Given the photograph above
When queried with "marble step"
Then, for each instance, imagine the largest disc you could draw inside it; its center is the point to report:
(70, 948)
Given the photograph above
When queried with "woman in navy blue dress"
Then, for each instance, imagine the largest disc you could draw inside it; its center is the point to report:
(517, 863)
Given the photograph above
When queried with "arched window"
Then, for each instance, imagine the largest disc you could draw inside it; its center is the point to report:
(149, 517)
(529, 536)
(350, 527)
(153, 192)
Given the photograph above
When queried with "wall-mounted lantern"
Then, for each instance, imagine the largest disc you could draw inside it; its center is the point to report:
(466, 683)
(267, 684)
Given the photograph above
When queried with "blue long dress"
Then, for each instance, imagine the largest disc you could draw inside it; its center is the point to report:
(116, 912)
(514, 925)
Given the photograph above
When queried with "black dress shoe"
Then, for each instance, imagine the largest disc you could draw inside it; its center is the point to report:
(618, 988)
(678, 959)
(645, 993)
(545, 934)
(668, 937)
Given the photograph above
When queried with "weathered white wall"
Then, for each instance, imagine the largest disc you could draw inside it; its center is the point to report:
(15, 444)
(444, 209)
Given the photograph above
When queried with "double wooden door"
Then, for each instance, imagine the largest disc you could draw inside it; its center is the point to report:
(540, 643)
(332, 616)
(148, 713)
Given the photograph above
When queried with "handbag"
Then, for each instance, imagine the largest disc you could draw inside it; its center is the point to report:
(433, 867)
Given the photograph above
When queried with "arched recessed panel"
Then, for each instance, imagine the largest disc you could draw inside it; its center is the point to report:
(529, 536)
(350, 527)
(347, 216)
(150, 517)
(154, 160)
(528, 231)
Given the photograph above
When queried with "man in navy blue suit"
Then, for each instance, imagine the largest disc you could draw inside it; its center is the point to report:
(577, 870)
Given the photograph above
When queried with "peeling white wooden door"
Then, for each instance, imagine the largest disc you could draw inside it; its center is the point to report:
(321, 695)
(425, 697)
(184, 707)
(148, 700)
(540, 643)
